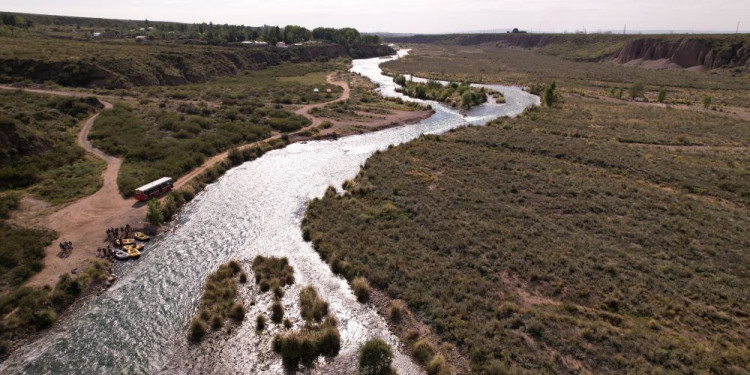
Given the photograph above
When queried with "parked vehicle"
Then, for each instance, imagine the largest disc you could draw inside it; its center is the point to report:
(154, 189)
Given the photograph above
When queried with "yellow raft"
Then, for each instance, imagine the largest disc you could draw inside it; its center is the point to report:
(140, 236)
(127, 241)
(133, 252)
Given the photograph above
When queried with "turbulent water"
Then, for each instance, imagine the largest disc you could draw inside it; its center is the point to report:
(139, 326)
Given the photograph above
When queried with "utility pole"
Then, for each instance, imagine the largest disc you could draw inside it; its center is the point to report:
(625, 29)
(738, 28)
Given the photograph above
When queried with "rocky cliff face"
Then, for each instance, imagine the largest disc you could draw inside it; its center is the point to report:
(685, 53)
(173, 68)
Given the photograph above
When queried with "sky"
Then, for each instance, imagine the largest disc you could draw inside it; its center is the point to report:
(419, 16)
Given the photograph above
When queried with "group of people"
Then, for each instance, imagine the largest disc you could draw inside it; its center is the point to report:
(106, 252)
(114, 234)
(66, 247)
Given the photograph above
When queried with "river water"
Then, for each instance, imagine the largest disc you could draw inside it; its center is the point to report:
(139, 325)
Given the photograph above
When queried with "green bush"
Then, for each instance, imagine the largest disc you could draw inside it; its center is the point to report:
(273, 273)
(237, 312)
(361, 288)
(260, 322)
(154, 214)
(277, 312)
(662, 95)
(437, 366)
(375, 358)
(198, 329)
(312, 307)
(396, 311)
(423, 351)
(637, 89)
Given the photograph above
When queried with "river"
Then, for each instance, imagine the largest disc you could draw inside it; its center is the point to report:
(139, 325)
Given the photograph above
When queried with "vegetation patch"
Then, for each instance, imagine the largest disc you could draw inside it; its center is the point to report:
(375, 357)
(455, 94)
(543, 242)
(27, 310)
(39, 151)
(319, 336)
(272, 273)
(218, 301)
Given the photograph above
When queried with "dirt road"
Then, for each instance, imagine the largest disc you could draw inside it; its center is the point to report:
(305, 109)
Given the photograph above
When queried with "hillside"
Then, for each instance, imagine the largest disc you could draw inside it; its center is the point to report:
(86, 52)
(676, 51)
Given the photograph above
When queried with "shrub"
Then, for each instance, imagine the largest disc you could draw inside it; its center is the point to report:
(277, 312)
(423, 350)
(273, 273)
(312, 307)
(235, 157)
(243, 277)
(237, 311)
(637, 89)
(44, 318)
(198, 329)
(437, 366)
(287, 323)
(217, 322)
(361, 288)
(662, 95)
(706, 101)
(375, 358)
(260, 322)
(154, 214)
(396, 311)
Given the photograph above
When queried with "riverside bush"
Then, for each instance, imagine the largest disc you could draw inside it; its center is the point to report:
(218, 300)
(272, 272)
(312, 307)
(313, 340)
(375, 357)
(361, 289)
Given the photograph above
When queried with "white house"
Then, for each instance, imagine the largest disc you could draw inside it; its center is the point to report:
(140, 38)
(281, 45)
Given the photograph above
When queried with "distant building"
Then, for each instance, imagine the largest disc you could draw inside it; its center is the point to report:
(328, 90)
(315, 90)
(97, 35)
(281, 45)
(140, 38)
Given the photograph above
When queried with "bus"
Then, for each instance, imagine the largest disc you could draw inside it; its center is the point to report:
(154, 189)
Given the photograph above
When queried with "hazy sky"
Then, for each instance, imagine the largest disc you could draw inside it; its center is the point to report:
(425, 16)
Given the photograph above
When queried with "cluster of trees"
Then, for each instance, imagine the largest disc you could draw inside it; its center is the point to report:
(209, 32)
(15, 20)
(455, 94)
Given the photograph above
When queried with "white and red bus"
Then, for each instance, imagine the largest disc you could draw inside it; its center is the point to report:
(154, 189)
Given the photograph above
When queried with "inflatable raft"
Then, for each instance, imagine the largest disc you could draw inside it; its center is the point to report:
(140, 236)
(121, 255)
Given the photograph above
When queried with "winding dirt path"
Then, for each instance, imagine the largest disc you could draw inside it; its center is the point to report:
(305, 109)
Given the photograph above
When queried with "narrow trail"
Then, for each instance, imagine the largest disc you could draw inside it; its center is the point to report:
(305, 109)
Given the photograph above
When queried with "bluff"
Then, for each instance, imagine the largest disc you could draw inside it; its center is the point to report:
(686, 51)
(191, 64)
